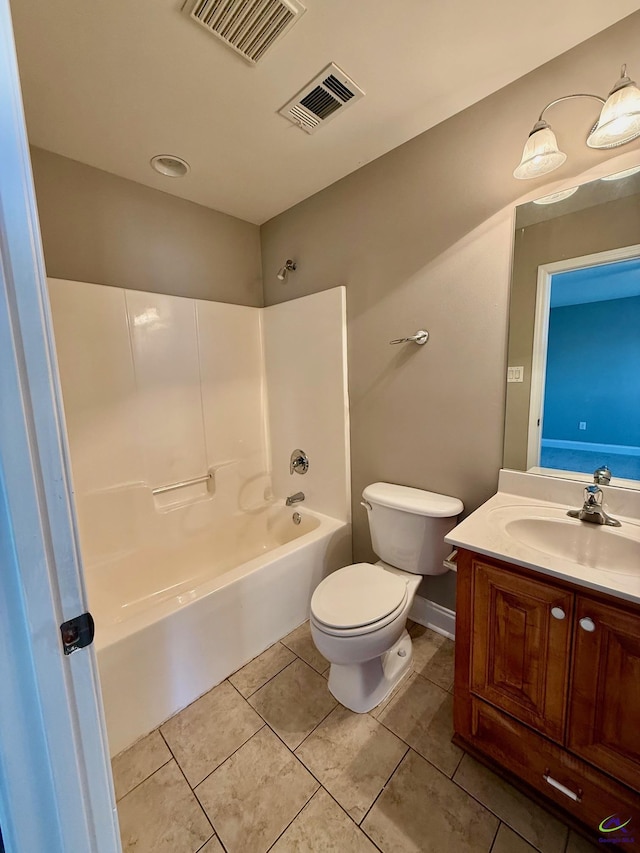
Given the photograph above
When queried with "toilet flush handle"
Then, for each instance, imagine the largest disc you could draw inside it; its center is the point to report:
(365, 504)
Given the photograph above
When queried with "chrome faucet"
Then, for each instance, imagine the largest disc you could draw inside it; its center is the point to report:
(294, 499)
(592, 509)
(602, 476)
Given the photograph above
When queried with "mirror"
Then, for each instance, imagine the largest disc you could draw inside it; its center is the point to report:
(573, 379)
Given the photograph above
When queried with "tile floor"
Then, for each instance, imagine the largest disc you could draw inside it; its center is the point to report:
(268, 760)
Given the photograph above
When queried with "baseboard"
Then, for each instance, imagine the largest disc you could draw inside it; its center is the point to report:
(440, 619)
(591, 446)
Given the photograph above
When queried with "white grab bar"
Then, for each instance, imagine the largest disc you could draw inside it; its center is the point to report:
(180, 485)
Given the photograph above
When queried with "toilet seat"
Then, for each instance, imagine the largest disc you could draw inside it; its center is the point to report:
(339, 607)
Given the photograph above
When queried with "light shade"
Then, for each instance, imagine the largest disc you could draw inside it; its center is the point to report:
(619, 120)
(541, 154)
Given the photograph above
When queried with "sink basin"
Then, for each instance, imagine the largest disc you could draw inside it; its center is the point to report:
(549, 530)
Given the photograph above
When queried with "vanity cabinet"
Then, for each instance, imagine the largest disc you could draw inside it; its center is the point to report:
(604, 713)
(547, 690)
(520, 658)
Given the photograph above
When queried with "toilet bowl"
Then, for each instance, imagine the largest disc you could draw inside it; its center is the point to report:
(359, 613)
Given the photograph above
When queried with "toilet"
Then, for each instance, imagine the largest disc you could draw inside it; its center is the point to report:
(359, 613)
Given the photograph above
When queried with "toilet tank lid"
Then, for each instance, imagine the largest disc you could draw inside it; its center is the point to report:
(412, 500)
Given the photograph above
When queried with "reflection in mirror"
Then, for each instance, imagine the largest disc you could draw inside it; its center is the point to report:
(573, 392)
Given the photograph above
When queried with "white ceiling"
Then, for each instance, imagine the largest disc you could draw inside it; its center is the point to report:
(113, 82)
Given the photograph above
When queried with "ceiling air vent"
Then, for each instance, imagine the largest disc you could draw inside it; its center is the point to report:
(250, 27)
(321, 99)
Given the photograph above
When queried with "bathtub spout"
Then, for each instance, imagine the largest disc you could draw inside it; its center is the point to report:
(294, 499)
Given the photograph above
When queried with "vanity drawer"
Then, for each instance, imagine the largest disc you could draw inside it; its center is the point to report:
(536, 760)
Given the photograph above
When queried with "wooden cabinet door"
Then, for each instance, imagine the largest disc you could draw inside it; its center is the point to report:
(520, 651)
(604, 721)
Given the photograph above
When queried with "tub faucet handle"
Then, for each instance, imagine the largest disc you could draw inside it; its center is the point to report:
(299, 462)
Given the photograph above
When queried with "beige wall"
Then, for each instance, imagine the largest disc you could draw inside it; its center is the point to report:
(99, 228)
(422, 239)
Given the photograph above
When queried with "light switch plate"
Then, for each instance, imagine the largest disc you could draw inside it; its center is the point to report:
(515, 374)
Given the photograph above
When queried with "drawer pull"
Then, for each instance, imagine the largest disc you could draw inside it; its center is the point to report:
(562, 788)
(587, 624)
(558, 613)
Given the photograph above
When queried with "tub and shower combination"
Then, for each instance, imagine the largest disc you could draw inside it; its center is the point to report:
(181, 417)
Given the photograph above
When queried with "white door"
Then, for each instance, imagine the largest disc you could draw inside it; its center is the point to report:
(56, 793)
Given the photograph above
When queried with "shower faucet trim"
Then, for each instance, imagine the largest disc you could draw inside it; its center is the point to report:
(299, 462)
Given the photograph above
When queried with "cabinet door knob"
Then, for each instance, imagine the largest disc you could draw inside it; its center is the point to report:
(587, 624)
(558, 613)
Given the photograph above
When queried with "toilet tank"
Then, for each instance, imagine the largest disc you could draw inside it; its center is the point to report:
(408, 526)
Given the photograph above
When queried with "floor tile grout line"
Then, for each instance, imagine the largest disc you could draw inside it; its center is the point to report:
(495, 835)
(530, 843)
(305, 661)
(377, 797)
(321, 787)
(153, 772)
(275, 675)
(341, 807)
(344, 811)
(229, 756)
(526, 840)
(197, 798)
(384, 726)
(306, 737)
(501, 819)
(424, 757)
(312, 774)
(293, 651)
(246, 698)
(458, 766)
(271, 726)
(297, 815)
(216, 834)
(293, 751)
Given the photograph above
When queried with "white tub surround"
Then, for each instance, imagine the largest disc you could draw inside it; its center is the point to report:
(158, 390)
(306, 366)
(192, 563)
(593, 556)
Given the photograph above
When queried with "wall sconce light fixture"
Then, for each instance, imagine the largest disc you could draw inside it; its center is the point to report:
(289, 266)
(619, 123)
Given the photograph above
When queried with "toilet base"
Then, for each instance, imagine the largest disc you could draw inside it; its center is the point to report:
(362, 686)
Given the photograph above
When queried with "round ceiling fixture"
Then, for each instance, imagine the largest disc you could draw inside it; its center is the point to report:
(619, 175)
(555, 197)
(169, 165)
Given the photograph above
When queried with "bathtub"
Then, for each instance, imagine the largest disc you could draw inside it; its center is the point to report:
(173, 622)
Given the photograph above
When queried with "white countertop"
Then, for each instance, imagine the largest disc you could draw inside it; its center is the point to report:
(484, 531)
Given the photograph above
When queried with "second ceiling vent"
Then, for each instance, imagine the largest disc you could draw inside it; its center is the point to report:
(250, 27)
(321, 99)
